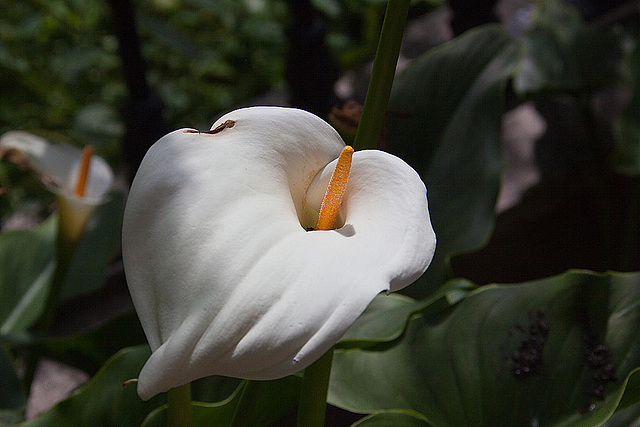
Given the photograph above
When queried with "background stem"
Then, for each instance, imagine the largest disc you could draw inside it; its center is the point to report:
(313, 392)
(65, 249)
(384, 68)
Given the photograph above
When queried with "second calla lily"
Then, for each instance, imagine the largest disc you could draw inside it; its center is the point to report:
(223, 273)
(58, 166)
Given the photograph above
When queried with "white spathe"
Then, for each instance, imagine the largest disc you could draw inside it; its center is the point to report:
(223, 274)
(58, 166)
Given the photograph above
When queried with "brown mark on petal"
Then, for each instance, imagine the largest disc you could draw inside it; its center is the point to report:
(218, 129)
(227, 124)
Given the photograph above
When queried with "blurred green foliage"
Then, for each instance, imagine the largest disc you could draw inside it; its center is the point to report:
(61, 75)
(454, 357)
(60, 72)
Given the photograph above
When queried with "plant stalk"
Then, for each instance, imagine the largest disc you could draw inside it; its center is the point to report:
(179, 413)
(384, 68)
(65, 249)
(313, 392)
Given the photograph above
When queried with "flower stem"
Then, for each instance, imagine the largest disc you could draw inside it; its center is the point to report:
(384, 68)
(65, 250)
(179, 412)
(313, 392)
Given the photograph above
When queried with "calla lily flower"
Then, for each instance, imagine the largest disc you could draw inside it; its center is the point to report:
(223, 272)
(59, 167)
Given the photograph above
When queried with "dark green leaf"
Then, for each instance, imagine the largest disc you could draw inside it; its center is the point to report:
(27, 263)
(214, 388)
(27, 257)
(11, 396)
(387, 316)
(104, 401)
(626, 155)
(535, 353)
(628, 417)
(204, 414)
(563, 54)
(261, 403)
(445, 120)
(395, 419)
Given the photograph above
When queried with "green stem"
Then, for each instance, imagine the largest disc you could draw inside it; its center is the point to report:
(179, 412)
(65, 249)
(313, 392)
(249, 397)
(384, 68)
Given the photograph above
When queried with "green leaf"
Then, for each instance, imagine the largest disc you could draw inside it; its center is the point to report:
(387, 316)
(445, 120)
(626, 154)
(214, 388)
(394, 418)
(532, 353)
(620, 400)
(627, 417)
(204, 414)
(260, 402)
(28, 260)
(27, 263)
(11, 396)
(104, 401)
(564, 54)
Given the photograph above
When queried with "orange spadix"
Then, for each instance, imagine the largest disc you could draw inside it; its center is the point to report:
(335, 191)
(81, 183)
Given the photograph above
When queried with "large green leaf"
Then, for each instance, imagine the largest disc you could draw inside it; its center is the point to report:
(445, 120)
(214, 388)
(11, 396)
(28, 260)
(27, 266)
(628, 417)
(563, 53)
(104, 401)
(259, 403)
(395, 419)
(387, 316)
(528, 354)
(626, 155)
(204, 414)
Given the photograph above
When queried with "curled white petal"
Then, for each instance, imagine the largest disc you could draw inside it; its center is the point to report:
(58, 166)
(223, 274)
